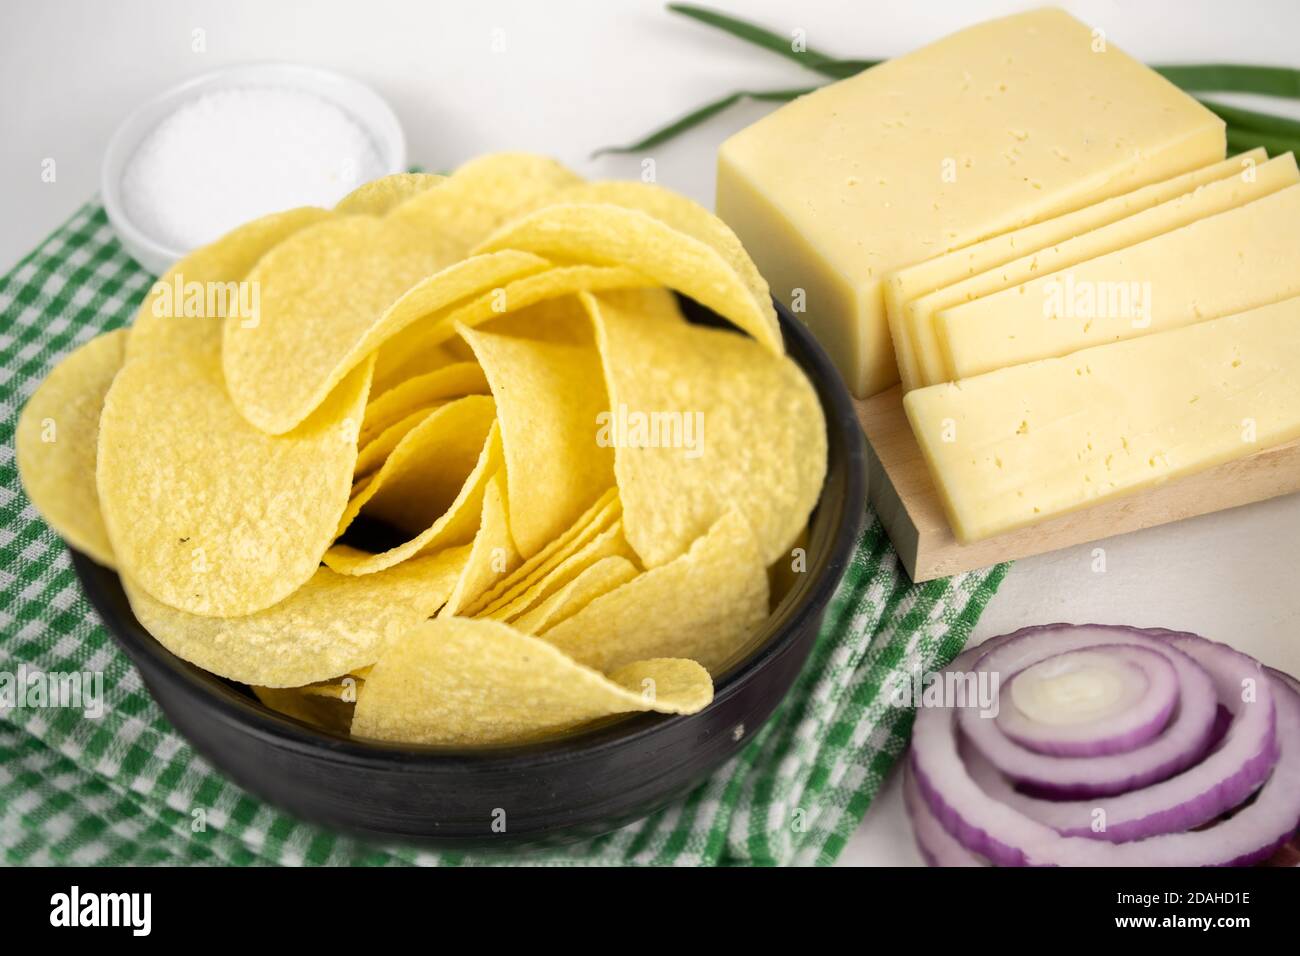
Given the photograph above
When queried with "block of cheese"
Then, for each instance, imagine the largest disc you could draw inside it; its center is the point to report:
(952, 267)
(1237, 260)
(1026, 443)
(1001, 125)
(919, 315)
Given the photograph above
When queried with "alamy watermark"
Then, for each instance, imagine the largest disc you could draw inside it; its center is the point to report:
(178, 298)
(622, 427)
(32, 689)
(1069, 298)
(947, 689)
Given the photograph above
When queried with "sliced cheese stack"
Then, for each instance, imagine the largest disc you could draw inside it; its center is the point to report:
(1003, 125)
(1120, 222)
(1236, 260)
(1025, 443)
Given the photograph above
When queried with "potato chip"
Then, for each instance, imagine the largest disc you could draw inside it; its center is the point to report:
(431, 487)
(514, 298)
(450, 381)
(331, 625)
(705, 605)
(330, 295)
(731, 426)
(617, 236)
(400, 358)
(186, 308)
(607, 543)
(599, 578)
(594, 520)
(682, 214)
(493, 555)
(315, 711)
(471, 682)
(482, 194)
(536, 569)
(375, 452)
(548, 396)
(380, 196)
(205, 512)
(56, 440)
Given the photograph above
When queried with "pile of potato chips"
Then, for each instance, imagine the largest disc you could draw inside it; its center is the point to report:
(444, 464)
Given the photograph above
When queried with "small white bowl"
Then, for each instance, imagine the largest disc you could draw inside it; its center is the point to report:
(359, 101)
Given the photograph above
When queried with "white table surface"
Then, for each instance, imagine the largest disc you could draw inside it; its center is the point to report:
(578, 74)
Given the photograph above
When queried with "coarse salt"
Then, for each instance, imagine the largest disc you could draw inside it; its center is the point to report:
(232, 155)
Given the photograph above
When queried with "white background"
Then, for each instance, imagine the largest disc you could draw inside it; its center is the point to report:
(575, 76)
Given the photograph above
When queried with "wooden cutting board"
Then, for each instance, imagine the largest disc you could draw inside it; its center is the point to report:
(900, 489)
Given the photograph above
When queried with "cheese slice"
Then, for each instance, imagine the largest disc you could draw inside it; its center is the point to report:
(1027, 443)
(1238, 190)
(952, 267)
(1004, 124)
(1237, 260)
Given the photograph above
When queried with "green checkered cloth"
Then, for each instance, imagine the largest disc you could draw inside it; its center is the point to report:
(127, 788)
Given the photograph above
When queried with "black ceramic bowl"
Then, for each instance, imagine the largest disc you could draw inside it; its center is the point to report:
(580, 785)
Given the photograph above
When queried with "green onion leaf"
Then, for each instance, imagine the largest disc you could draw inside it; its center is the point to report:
(1249, 119)
(1234, 78)
(752, 33)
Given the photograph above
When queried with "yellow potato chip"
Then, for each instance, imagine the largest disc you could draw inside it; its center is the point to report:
(186, 308)
(548, 396)
(482, 194)
(56, 440)
(450, 381)
(682, 214)
(319, 712)
(731, 426)
(331, 625)
(431, 487)
(594, 520)
(375, 452)
(380, 196)
(423, 344)
(617, 236)
(608, 543)
(705, 605)
(493, 555)
(400, 358)
(205, 512)
(460, 681)
(329, 296)
(599, 578)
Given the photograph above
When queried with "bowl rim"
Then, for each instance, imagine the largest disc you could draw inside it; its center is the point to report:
(379, 121)
(225, 702)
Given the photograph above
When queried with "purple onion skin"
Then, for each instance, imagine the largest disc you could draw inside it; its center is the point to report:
(1042, 787)
(1232, 793)
(1123, 742)
(973, 838)
(979, 842)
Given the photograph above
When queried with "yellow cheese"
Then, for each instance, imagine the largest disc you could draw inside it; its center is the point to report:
(952, 267)
(1001, 125)
(1237, 260)
(920, 314)
(1027, 443)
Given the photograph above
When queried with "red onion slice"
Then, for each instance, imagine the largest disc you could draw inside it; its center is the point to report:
(1089, 703)
(936, 845)
(1005, 836)
(1224, 779)
(1184, 740)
